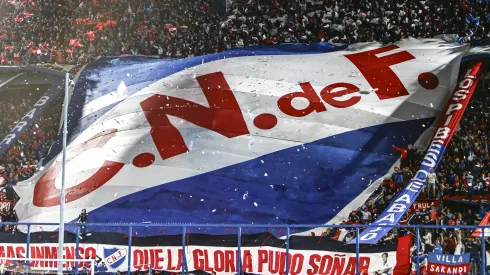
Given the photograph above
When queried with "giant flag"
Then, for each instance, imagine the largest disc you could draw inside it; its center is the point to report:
(281, 135)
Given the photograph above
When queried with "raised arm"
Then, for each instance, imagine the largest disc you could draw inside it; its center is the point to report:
(398, 149)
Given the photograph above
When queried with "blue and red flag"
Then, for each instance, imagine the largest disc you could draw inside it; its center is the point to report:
(449, 264)
(290, 134)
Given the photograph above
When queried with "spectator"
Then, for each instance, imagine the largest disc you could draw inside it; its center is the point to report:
(398, 177)
(411, 155)
(449, 244)
(433, 214)
(431, 183)
(473, 247)
(404, 157)
(437, 247)
(459, 250)
(469, 182)
(354, 217)
(407, 176)
(481, 212)
(366, 216)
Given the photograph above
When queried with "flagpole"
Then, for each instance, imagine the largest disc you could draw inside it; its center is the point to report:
(61, 236)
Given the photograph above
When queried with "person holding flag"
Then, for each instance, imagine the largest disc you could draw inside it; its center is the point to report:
(404, 162)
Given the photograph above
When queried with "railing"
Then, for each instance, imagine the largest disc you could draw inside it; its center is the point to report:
(239, 234)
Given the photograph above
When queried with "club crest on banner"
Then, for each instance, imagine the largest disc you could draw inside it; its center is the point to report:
(114, 257)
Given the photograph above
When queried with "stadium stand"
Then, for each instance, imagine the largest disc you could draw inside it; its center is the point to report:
(80, 30)
(24, 158)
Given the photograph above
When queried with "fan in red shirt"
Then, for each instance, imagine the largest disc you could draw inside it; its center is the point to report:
(404, 159)
(433, 214)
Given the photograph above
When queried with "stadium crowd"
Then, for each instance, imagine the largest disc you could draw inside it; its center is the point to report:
(75, 32)
(21, 161)
(78, 31)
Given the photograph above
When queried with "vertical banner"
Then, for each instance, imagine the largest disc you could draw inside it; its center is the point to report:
(449, 264)
(26, 121)
(447, 127)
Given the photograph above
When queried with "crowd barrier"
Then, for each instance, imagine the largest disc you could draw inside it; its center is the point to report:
(76, 234)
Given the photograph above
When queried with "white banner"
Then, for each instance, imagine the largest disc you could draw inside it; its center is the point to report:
(258, 260)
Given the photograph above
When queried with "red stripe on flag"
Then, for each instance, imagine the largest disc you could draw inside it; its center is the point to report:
(403, 256)
(484, 222)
